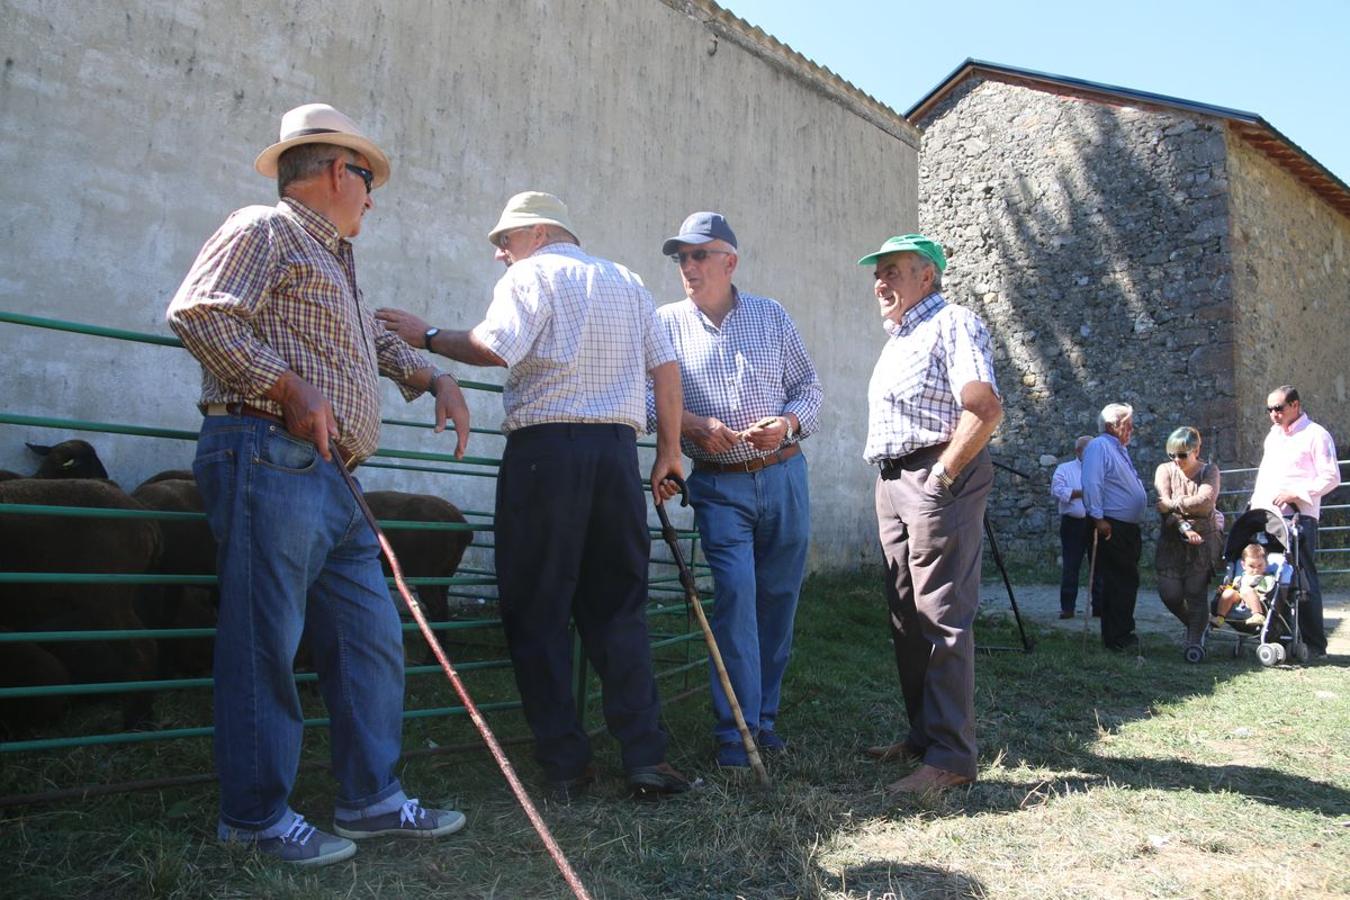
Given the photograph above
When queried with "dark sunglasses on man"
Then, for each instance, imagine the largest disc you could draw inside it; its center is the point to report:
(366, 175)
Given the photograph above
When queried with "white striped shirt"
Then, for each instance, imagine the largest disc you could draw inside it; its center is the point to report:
(752, 366)
(578, 334)
(914, 397)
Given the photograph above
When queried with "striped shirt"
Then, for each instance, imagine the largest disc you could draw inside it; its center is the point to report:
(578, 334)
(914, 397)
(275, 289)
(752, 366)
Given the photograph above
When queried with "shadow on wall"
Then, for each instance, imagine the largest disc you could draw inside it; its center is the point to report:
(1094, 241)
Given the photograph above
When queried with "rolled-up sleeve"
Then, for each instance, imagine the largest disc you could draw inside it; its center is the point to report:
(801, 384)
(397, 360)
(970, 352)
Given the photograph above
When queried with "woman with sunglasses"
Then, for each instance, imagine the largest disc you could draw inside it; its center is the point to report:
(1190, 541)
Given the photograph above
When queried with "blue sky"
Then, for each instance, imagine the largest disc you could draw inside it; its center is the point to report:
(1288, 62)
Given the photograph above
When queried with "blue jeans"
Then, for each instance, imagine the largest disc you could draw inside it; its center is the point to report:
(754, 529)
(296, 557)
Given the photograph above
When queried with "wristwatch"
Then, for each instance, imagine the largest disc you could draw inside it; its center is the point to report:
(789, 433)
(940, 473)
(430, 336)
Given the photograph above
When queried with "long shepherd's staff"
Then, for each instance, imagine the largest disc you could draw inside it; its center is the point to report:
(503, 763)
(691, 596)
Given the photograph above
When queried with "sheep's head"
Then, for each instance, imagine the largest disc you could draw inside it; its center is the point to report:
(68, 459)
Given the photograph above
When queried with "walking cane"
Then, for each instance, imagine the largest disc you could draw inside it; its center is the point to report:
(691, 597)
(568, 874)
(1092, 579)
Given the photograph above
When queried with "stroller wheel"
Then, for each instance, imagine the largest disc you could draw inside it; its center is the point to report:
(1270, 654)
(1194, 653)
(1299, 651)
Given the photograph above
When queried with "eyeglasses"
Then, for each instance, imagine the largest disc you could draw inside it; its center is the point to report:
(696, 255)
(1279, 407)
(366, 175)
(505, 237)
(1179, 456)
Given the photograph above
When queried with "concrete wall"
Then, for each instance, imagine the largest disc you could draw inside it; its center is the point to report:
(1291, 285)
(1094, 241)
(129, 132)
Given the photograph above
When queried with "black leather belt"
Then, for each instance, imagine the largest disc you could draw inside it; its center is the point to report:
(751, 465)
(892, 467)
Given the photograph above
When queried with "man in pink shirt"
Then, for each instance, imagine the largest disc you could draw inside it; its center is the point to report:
(1298, 467)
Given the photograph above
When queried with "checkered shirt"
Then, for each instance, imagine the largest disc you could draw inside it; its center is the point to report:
(754, 365)
(579, 335)
(275, 289)
(914, 397)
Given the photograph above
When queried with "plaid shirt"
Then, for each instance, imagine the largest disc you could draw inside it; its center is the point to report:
(914, 398)
(275, 289)
(754, 365)
(579, 335)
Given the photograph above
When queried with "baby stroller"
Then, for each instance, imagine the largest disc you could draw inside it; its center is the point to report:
(1279, 637)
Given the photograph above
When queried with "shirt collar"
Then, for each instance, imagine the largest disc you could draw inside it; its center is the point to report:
(1298, 425)
(702, 317)
(921, 312)
(322, 230)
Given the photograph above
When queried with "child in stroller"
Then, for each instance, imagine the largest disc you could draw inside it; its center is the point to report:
(1251, 589)
(1273, 620)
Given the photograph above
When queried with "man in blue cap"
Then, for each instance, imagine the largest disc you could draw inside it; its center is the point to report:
(932, 406)
(750, 396)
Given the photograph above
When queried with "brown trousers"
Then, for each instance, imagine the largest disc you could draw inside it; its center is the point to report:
(932, 545)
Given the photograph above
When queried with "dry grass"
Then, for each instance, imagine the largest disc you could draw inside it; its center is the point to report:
(1101, 776)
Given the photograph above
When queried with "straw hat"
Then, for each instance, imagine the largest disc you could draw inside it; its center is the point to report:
(533, 208)
(319, 123)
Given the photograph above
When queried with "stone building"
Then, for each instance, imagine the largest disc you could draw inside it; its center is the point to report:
(128, 132)
(1126, 246)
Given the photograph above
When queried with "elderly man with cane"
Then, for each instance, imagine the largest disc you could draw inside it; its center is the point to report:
(579, 337)
(289, 359)
(750, 396)
(1114, 497)
(932, 406)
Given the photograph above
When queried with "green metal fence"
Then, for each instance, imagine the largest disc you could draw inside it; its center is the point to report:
(676, 643)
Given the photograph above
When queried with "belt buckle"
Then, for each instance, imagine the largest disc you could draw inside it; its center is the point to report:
(755, 464)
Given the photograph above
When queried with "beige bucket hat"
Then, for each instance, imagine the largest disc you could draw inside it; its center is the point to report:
(319, 123)
(533, 208)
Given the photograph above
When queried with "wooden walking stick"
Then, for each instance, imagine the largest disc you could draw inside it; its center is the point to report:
(691, 595)
(1092, 578)
(555, 851)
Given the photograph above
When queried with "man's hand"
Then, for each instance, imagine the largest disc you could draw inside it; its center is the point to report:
(407, 326)
(662, 470)
(710, 434)
(307, 412)
(1282, 500)
(1075, 495)
(450, 405)
(1194, 537)
(1103, 529)
(767, 433)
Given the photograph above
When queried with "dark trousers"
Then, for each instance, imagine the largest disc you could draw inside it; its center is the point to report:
(1075, 535)
(932, 545)
(1118, 563)
(1310, 610)
(572, 541)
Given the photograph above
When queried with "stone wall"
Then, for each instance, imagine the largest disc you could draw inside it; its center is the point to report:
(1094, 241)
(1291, 287)
(128, 132)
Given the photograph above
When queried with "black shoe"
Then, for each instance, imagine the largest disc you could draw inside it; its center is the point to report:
(1066, 614)
(565, 790)
(656, 782)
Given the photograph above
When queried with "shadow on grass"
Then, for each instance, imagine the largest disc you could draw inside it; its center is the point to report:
(884, 880)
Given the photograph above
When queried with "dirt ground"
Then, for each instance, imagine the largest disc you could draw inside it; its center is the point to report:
(1039, 603)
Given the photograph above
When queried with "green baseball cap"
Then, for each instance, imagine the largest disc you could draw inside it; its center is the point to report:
(914, 243)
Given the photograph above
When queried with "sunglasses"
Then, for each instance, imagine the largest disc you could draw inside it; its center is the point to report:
(1279, 407)
(366, 175)
(696, 255)
(1179, 456)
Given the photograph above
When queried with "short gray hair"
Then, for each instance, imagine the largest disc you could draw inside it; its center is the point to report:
(1113, 414)
(1083, 441)
(305, 161)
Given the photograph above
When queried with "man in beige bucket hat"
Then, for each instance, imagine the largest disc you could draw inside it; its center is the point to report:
(289, 356)
(579, 337)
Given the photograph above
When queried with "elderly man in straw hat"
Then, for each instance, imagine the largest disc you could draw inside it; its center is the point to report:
(579, 336)
(932, 406)
(289, 357)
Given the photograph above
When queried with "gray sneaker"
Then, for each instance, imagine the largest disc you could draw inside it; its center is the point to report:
(409, 820)
(302, 845)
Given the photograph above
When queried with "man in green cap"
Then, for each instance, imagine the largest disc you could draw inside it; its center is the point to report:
(932, 406)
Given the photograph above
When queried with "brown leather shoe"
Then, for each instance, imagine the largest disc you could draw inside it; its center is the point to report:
(927, 779)
(903, 751)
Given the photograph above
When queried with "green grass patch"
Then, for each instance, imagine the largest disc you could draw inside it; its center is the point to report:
(1101, 776)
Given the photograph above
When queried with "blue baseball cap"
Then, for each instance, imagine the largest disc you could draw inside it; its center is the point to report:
(700, 228)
